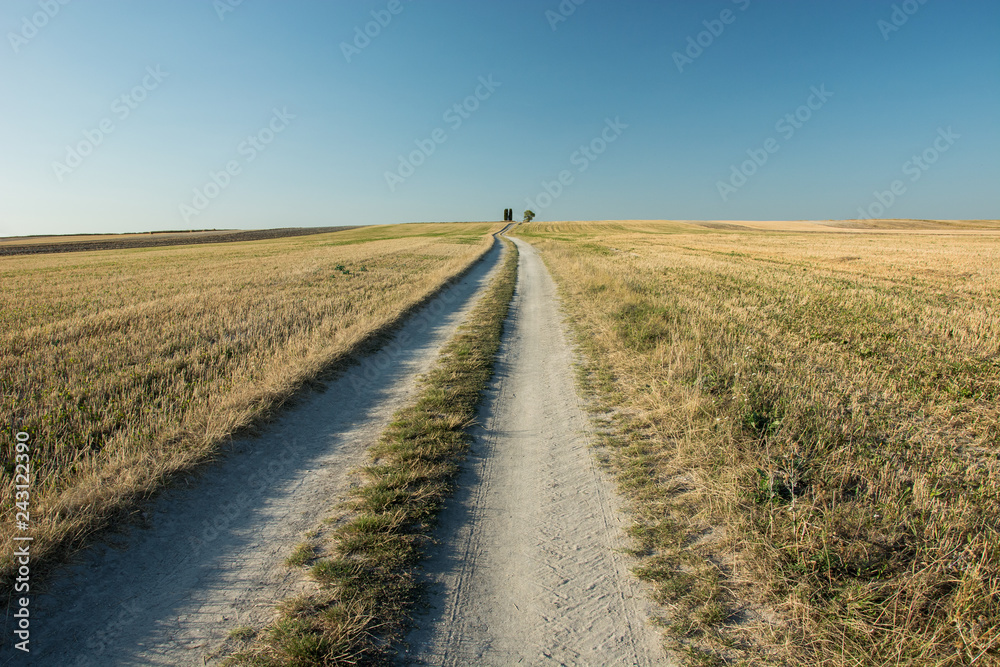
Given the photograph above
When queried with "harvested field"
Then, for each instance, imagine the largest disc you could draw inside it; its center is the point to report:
(129, 366)
(806, 427)
(206, 568)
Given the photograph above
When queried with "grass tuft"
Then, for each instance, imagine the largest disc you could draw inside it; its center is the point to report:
(303, 553)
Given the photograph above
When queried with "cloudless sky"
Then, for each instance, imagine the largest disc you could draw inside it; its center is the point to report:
(898, 80)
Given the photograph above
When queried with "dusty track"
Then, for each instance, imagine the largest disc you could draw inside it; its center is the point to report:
(212, 557)
(529, 569)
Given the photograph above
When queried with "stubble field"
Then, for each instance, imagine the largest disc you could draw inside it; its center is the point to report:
(129, 366)
(804, 419)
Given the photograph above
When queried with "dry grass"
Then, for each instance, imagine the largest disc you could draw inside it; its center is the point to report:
(807, 426)
(129, 366)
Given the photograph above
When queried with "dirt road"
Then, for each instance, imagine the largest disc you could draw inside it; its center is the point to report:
(529, 569)
(212, 558)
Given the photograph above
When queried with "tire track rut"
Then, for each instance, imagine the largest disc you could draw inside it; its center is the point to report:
(530, 569)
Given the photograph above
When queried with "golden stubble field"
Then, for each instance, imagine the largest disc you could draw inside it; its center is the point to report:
(128, 366)
(805, 422)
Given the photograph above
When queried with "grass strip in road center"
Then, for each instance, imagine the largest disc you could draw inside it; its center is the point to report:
(368, 584)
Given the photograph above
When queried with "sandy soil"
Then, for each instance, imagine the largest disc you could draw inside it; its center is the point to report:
(529, 568)
(212, 556)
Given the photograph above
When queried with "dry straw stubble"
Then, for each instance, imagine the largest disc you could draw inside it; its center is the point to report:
(128, 366)
(807, 426)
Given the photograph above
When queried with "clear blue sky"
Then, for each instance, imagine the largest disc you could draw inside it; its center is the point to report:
(199, 81)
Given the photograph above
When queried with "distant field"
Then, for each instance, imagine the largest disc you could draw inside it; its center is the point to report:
(34, 245)
(813, 226)
(129, 365)
(807, 425)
